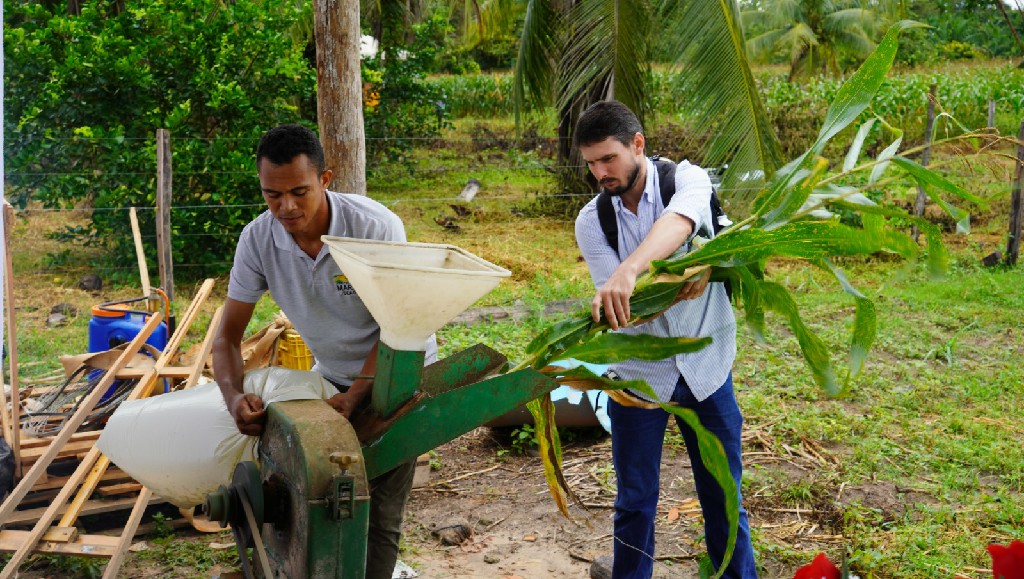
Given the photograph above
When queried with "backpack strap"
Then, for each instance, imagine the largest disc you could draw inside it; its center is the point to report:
(606, 215)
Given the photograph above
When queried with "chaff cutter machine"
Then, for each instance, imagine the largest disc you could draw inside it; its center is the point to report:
(305, 508)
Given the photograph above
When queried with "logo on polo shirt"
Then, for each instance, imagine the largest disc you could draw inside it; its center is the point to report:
(342, 285)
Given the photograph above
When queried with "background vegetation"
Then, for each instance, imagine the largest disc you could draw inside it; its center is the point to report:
(933, 422)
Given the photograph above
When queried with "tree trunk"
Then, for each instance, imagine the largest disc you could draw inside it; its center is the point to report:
(339, 92)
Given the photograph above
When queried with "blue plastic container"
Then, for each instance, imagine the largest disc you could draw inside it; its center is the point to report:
(111, 326)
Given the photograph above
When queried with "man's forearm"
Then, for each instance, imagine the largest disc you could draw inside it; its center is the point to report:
(227, 368)
(667, 235)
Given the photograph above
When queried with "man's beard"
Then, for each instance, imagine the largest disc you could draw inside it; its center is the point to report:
(634, 174)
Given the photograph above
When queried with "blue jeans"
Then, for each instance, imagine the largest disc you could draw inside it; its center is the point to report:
(637, 438)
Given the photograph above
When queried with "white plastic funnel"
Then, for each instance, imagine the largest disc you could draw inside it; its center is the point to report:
(412, 289)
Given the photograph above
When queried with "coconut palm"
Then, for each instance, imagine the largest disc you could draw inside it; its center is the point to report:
(576, 52)
(814, 34)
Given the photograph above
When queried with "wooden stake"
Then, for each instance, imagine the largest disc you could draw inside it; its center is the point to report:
(926, 156)
(12, 425)
(165, 258)
(139, 253)
(991, 113)
(1016, 204)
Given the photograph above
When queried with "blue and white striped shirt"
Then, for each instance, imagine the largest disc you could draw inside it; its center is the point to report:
(709, 315)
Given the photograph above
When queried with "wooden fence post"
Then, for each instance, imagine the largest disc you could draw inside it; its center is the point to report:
(1016, 205)
(163, 211)
(926, 156)
(991, 113)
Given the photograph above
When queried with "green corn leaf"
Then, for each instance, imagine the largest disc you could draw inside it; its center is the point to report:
(856, 93)
(858, 143)
(581, 375)
(775, 298)
(550, 448)
(883, 160)
(865, 327)
(712, 454)
(932, 183)
(614, 347)
(795, 197)
(803, 239)
(544, 346)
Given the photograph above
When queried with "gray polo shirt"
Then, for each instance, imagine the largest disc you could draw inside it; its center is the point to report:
(313, 293)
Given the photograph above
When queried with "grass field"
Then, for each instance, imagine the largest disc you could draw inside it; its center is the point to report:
(918, 468)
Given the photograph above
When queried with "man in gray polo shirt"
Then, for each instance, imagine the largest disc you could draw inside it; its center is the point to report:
(281, 251)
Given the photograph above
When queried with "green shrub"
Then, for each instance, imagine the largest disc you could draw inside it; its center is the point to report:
(85, 94)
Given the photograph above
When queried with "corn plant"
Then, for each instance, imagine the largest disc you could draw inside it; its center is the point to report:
(793, 217)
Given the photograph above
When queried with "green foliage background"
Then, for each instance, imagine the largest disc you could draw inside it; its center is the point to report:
(85, 95)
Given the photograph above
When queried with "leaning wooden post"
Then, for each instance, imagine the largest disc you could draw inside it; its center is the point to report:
(163, 211)
(1016, 204)
(926, 156)
(13, 420)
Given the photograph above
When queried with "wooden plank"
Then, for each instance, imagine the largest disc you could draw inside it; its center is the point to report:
(125, 540)
(119, 489)
(61, 534)
(140, 255)
(83, 546)
(112, 476)
(74, 448)
(12, 429)
(36, 442)
(165, 372)
(88, 403)
(93, 507)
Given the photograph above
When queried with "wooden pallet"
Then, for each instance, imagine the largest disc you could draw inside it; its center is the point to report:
(92, 474)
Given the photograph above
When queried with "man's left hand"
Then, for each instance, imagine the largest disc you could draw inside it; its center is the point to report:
(694, 289)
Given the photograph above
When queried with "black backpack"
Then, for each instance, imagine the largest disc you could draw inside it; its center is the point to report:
(667, 185)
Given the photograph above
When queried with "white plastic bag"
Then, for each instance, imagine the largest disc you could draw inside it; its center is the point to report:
(184, 444)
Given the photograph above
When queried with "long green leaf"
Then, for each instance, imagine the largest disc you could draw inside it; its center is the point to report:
(775, 298)
(856, 93)
(614, 347)
(858, 143)
(865, 328)
(712, 454)
(803, 239)
(883, 160)
(933, 183)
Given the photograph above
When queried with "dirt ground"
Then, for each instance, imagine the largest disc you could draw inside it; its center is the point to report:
(517, 531)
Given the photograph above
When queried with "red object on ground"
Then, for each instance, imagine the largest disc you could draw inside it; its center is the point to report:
(1007, 562)
(822, 568)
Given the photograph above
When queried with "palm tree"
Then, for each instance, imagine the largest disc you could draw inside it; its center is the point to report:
(814, 34)
(576, 52)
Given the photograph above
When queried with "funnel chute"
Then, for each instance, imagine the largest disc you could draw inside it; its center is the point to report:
(412, 289)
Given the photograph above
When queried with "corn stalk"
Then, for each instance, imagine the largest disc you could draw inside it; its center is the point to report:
(793, 218)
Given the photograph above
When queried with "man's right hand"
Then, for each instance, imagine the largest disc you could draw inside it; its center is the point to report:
(249, 414)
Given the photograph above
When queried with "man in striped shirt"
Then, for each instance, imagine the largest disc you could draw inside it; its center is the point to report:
(611, 141)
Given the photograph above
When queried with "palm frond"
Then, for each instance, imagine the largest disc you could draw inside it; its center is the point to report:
(712, 55)
(538, 48)
(606, 56)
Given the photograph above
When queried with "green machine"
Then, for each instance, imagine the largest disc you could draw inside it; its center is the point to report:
(304, 509)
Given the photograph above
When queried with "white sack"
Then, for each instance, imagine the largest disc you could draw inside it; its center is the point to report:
(183, 445)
